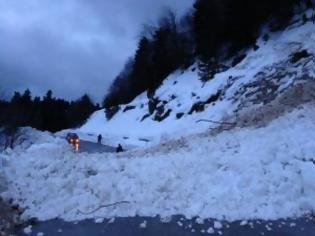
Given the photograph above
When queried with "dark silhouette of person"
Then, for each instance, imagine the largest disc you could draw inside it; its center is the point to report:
(119, 148)
(99, 139)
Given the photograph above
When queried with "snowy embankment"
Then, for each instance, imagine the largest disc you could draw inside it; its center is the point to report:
(264, 173)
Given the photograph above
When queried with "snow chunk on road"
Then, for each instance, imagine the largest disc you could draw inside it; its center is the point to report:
(217, 225)
(243, 223)
(199, 221)
(166, 219)
(180, 224)
(28, 230)
(99, 220)
(143, 225)
(210, 230)
(112, 220)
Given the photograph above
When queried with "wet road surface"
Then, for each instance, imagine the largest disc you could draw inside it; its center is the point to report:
(90, 147)
(178, 226)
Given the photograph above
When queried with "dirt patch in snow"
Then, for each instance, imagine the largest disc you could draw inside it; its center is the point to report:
(9, 218)
(293, 97)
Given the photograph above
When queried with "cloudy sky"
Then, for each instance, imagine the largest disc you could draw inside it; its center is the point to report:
(71, 46)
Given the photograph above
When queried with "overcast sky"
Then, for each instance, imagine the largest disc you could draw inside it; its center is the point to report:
(71, 46)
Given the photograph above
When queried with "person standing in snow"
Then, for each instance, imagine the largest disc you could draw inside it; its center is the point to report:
(119, 148)
(99, 139)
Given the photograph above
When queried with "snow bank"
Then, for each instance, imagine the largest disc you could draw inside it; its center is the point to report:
(265, 173)
(27, 137)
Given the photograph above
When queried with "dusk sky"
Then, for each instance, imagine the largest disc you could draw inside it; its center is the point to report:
(71, 46)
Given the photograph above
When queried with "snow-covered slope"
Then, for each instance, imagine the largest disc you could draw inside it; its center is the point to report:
(265, 74)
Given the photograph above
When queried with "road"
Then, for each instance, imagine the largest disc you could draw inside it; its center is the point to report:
(176, 227)
(90, 147)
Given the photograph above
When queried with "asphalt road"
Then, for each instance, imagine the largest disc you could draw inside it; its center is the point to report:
(90, 147)
(178, 226)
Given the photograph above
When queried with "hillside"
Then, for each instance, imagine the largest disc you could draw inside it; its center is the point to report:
(275, 78)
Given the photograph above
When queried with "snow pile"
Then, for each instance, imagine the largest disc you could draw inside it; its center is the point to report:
(26, 137)
(265, 173)
(268, 70)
